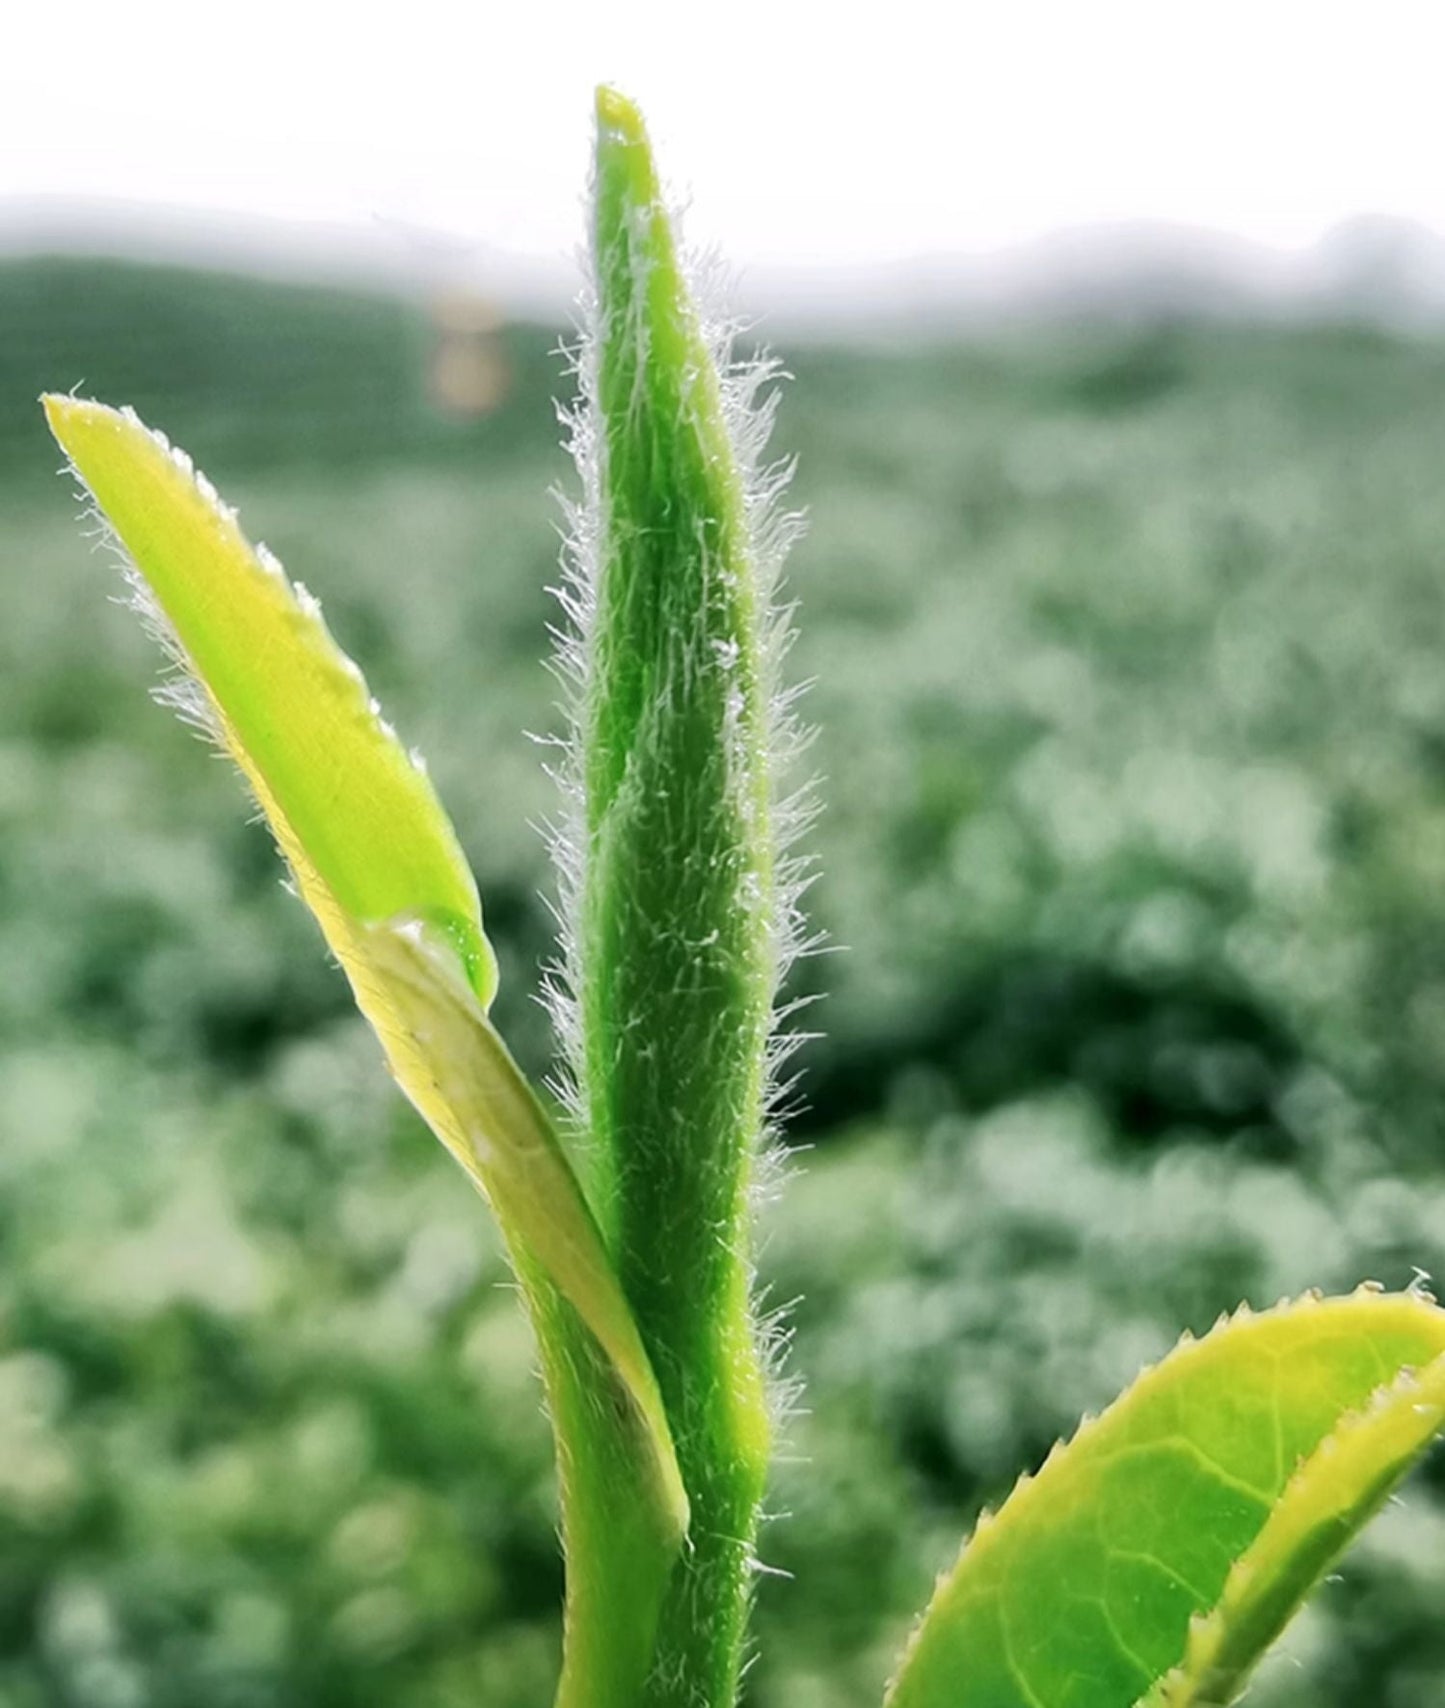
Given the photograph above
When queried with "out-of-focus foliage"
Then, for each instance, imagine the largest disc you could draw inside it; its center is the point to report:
(1133, 717)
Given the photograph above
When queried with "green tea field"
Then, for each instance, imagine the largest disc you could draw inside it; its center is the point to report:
(1127, 653)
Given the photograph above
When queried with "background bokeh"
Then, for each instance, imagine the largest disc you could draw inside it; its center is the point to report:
(1127, 636)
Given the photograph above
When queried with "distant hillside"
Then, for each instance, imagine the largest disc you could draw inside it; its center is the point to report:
(249, 369)
(1378, 269)
(258, 370)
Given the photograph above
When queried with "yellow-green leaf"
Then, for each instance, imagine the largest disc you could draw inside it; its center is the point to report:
(291, 706)
(373, 855)
(448, 1058)
(1154, 1557)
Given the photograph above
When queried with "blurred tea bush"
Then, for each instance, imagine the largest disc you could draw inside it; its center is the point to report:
(1128, 647)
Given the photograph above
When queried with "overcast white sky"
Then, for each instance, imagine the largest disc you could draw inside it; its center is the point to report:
(807, 134)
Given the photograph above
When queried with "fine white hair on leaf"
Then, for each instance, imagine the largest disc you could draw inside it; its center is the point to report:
(181, 688)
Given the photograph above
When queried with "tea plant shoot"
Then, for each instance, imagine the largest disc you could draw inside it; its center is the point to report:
(1151, 1560)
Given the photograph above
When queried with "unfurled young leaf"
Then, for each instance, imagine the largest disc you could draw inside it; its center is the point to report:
(1153, 1559)
(374, 856)
(261, 671)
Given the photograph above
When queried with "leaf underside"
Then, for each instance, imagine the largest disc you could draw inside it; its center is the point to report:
(1155, 1557)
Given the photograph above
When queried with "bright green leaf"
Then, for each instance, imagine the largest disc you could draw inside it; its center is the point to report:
(1186, 1523)
(1333, 1493)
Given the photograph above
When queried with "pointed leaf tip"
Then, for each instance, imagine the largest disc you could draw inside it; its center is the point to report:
(618, 115)
(626, 168)
(292, 709)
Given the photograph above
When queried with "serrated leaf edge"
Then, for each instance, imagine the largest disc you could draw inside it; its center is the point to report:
(1418, 1399)
(1024, 1490)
